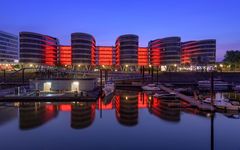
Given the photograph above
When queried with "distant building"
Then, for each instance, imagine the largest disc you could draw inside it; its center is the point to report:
(127, 50)
(165, 51)
(8, 48)
(201, 52)
(83, 49)
(38, 49)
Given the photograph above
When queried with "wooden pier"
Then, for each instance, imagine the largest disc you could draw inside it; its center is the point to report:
(193, 102)
(47, 99)
(201, 106)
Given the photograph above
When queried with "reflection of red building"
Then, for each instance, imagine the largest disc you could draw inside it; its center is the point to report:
(105, 55)
(142, 100)
(65, 55)
(64, 107)
(142, 56)
(105, 106)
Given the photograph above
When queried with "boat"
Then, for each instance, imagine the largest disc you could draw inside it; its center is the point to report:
(236, 88)
(108, 90)
(218, 84)
(165, 95)
(219, 103)
(150, 87)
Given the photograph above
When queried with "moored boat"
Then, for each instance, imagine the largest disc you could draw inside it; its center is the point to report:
(217, 84)
(108, 90)
(150, 87)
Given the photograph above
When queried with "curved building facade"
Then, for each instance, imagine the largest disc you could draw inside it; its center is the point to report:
(8, 47)
(127, 50)
(199, 52)
(83, 49)
(165, 51)
(38, 49)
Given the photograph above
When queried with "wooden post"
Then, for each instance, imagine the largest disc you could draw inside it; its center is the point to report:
(101, 79)
(212, 88)
(48, 73)
(212, 131)
(23, 69)
(105, 73)
(100, 101)
(4, 75)
(152, 73)
(143, 73)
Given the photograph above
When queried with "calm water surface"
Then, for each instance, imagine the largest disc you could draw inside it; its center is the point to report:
(131, 121)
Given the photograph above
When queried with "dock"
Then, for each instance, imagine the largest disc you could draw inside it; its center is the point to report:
(201, 106)
(47, 99)
(193, 102)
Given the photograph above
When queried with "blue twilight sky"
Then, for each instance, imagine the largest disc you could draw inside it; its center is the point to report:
(107, 19)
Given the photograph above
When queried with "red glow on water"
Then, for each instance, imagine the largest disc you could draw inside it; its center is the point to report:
(142, 100)
(65, 107)
(50, 107)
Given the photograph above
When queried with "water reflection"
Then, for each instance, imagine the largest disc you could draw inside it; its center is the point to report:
(32, 115)
(7, 114)
(82, 115)
(127, 108)
(129, 115)
(168, 110)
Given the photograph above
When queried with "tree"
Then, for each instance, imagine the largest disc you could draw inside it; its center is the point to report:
(232, 58)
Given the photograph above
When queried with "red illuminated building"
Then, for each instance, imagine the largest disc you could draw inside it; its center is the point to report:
(106, 55)
(126, 54)
(65, 54)
(142, 56)
(165, 51)
(38, 49)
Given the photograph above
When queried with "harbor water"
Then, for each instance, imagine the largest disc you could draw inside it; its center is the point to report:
(131, 120)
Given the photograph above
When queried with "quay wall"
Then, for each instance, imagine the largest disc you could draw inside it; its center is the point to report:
(193, 77)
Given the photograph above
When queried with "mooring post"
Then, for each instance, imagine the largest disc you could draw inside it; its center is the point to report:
(4, 75)
(48, 73)
(143, 73)
(212, 88)
(101, 80)
(212, 131)
(152, 73)
(105, 74)
(23, 69)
